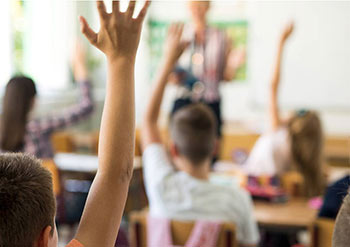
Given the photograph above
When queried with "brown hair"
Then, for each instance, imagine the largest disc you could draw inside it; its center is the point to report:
(17, 103)
(306, 135)
(27, 202)
(193, 130)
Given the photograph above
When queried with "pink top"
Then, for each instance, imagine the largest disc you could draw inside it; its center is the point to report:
(204, 233)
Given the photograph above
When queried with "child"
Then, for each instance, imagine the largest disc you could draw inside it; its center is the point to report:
(185, 192)
(334, 197)
(27, 204)
(341, 236)
(19, 133)
(298, 140)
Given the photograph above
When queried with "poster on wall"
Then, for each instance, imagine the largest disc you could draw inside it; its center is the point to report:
(237, 31)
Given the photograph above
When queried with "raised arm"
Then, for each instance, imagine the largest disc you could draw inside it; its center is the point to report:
(118, 39)
(173, 50)
(274, 115)
(75, 113)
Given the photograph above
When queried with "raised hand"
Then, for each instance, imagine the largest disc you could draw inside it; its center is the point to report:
(79, 63)
(287, 31)
(174, 45)
(119, 33)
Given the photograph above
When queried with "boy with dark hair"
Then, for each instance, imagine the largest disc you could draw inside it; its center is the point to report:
(193, 132)
(186, 193)
(27, 204)
(341, 236)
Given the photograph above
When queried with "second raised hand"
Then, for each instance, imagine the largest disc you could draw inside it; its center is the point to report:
(287, 31)
(119, 33)
(174, 45)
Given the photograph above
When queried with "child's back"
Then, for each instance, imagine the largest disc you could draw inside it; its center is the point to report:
(178, 195)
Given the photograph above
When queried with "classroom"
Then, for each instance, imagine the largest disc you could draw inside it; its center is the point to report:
(174, 123)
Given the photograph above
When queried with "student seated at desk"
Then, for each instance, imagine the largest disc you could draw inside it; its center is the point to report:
(19, 132)
(184, 191)
(296, 142)
(27, 203)
(334, 197)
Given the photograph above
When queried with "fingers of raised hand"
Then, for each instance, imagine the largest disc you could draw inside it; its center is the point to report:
(175, 30)
(87, 31)
(143, 11)
(101, 10)
(130, 10)
(115, 7)
(128, 14)
(289, 28)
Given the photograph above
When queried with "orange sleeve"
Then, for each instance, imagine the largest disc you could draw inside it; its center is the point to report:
(74, 243)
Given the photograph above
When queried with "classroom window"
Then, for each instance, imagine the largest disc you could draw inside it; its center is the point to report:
(5, 41)
(42, 34)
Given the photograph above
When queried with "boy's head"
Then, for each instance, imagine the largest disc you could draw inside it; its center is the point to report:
(341, 237)
(27, 203)
(193, 133)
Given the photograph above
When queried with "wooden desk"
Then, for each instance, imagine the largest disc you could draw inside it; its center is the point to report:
(84, 167)
(293, 214)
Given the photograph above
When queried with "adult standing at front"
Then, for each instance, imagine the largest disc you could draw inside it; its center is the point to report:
(207, 61)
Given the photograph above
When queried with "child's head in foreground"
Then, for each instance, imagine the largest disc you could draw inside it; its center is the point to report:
(193, 134)
(306, 135)
(27, 203)
(341, 236)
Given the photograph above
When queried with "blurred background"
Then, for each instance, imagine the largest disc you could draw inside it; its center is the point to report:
(38, 38)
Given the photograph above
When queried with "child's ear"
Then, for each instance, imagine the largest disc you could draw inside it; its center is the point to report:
(173, 150)
(44, 237)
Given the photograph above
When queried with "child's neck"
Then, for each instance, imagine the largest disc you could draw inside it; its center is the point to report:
(200, 171)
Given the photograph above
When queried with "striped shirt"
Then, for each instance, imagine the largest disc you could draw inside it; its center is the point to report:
(177, 195)
(210, 67)
(37, 139)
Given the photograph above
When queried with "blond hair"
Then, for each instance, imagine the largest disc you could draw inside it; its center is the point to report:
(305, 131)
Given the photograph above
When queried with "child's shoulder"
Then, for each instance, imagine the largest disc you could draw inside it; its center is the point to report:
(74, 243)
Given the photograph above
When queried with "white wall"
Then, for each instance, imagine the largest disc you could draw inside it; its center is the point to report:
(49, 34)
(5, 42)
(315, 71)
(245, 102)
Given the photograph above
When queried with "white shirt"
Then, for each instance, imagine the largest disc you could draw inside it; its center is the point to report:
(177, 195)
(270, 154)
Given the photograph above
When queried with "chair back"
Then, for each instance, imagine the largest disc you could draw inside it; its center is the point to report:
(180, 231)
(293, 183)
(51, 166)
(322, 232)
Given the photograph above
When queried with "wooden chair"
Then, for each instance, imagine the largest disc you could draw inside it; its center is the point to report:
(51, 166)
(180, 231)
(322, 232)
(293, 183)
(62, 142)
